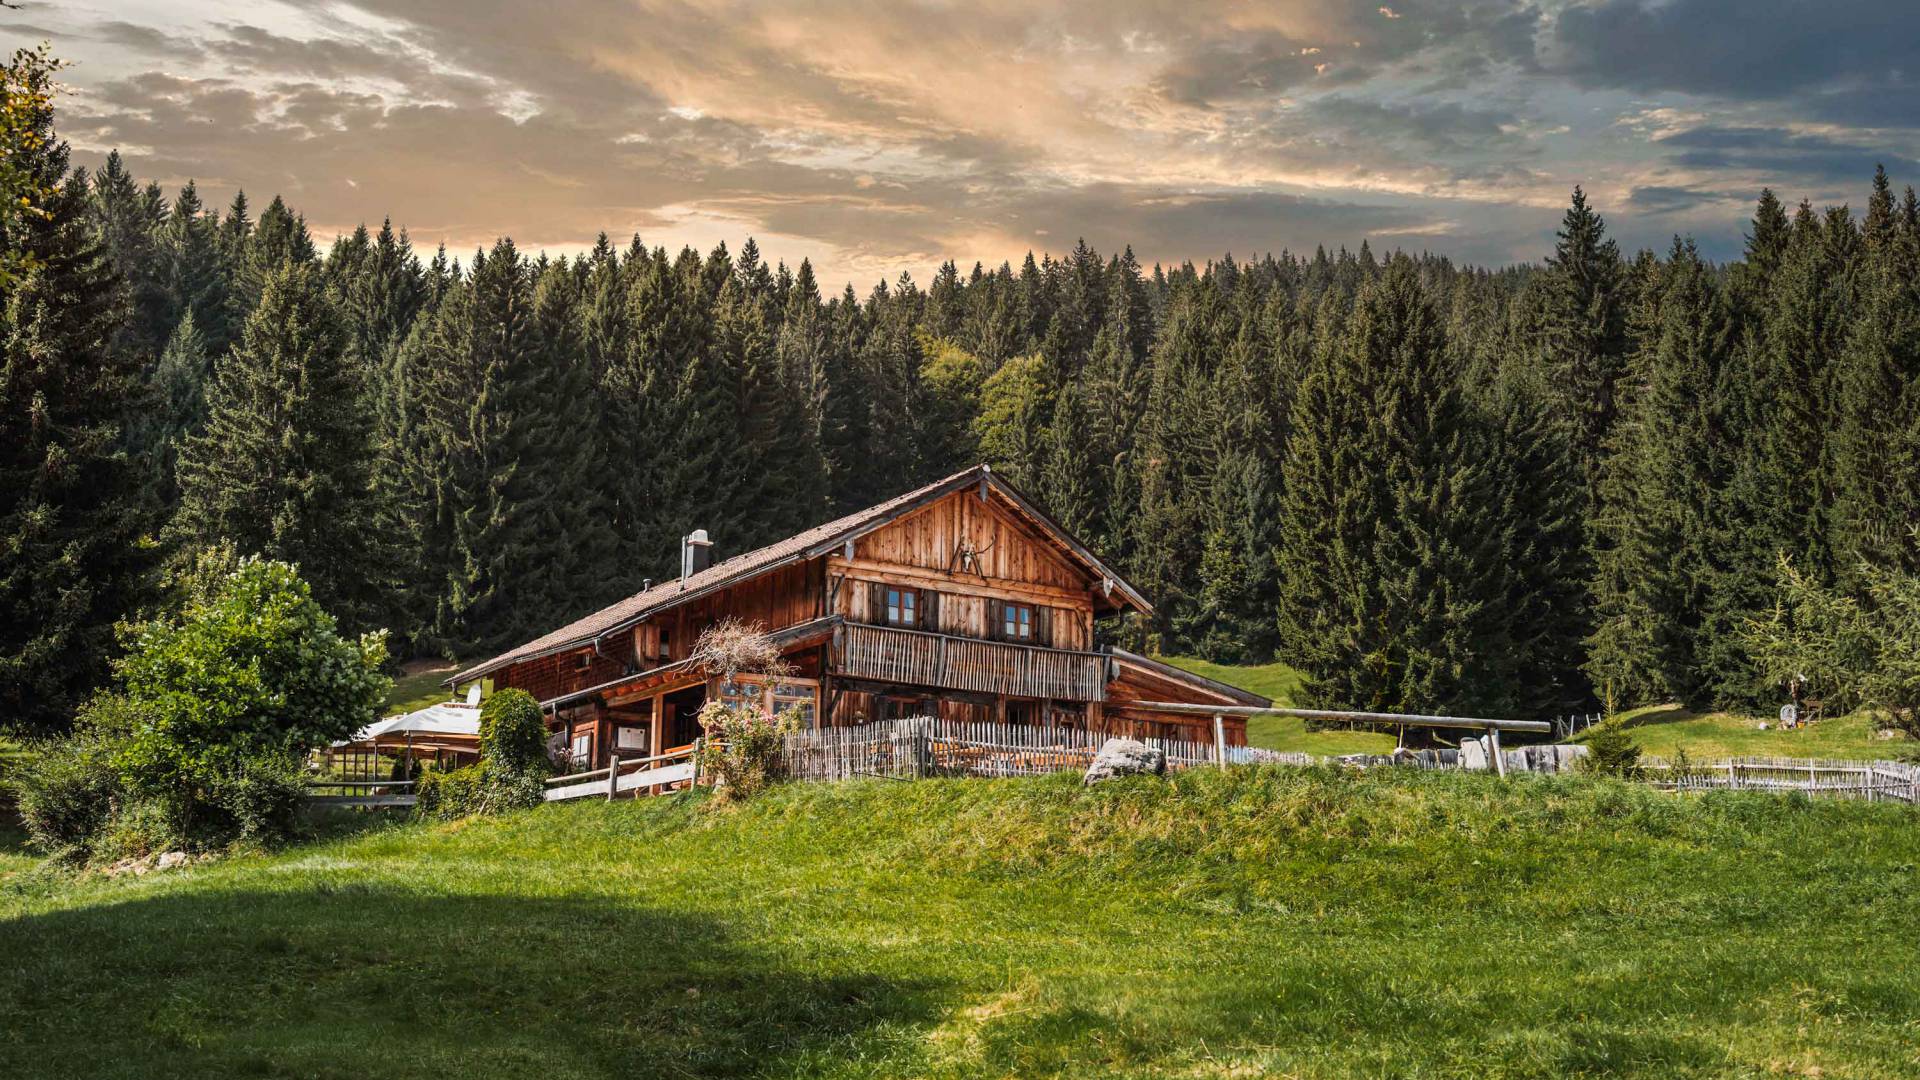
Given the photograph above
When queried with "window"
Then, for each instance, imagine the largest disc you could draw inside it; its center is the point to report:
(902, 607)
(1016, 622)
(583, 660)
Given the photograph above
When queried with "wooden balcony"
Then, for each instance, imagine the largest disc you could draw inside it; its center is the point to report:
(916, 658)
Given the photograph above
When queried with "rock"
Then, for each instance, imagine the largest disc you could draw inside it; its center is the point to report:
(1764, 726)
(1125, 757)
(172, 860)
(1473, 755)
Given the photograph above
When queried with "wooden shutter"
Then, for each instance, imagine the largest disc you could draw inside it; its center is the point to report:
(877, 603)
(929, 610)
(1042, 625)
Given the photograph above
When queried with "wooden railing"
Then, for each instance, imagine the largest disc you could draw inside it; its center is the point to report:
(916, 658)
(631, 775)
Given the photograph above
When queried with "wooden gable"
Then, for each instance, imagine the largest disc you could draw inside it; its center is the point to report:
(967, 536)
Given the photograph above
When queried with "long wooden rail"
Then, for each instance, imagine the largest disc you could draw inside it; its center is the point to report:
(918, 658)
(1491, 726)
(631, 775)
(371, 794)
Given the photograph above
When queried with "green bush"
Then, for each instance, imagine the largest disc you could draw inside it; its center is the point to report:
(70, 791)
(475, 789)
(200, 747)
(251, 667)
(454, 793)
(513, 735)
(1611, 752)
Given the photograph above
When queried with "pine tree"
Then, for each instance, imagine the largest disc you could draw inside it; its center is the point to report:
(1384, 556)
(1876, 441)
(192, 274)
(283, 467)
(1778, 498)
(71, 516)
(1583, 336)
(176, 407)
(128, 222)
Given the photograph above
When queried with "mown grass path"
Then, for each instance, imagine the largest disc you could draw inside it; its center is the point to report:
(1257, 922)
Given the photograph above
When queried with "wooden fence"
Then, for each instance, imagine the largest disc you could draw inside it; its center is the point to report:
(1874, 781)
(926, 746)
(633, 776)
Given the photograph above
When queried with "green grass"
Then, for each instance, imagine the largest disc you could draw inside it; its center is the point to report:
(1282, 683)
(1667, 729)
(1252, 922)
(420, 686)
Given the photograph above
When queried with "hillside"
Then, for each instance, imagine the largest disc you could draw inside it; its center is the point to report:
(1257, 922)
(1667, 730)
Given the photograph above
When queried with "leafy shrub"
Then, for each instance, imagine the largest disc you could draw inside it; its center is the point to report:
(742, 751)
(1611, 752)
(251, 667)
(454, 793)
(475, 789)
(259, 802)
(72, 787)
(513, 734)
(218, 703)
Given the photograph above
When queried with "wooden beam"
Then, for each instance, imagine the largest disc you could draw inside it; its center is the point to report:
(969, 584)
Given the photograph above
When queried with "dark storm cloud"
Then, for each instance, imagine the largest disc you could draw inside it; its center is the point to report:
(1778, 152)
(1742, 49)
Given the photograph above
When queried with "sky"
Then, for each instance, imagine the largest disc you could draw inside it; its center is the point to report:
(881, 138)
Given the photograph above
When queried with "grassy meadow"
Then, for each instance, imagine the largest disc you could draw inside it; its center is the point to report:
(1272, 921)
(1666, 730)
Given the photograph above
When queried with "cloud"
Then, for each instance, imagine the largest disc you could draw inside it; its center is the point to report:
(877, 139)
(1753, 50)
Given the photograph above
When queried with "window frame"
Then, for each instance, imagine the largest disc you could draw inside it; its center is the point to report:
(1016, 617)
(901, 607)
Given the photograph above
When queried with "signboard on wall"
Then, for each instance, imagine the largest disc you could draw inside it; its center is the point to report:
(631, 738)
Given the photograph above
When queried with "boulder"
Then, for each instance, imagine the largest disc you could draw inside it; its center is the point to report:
(1125, 757)
(172, 859)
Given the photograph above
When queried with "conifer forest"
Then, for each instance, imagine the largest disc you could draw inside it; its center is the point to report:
(1506, 491)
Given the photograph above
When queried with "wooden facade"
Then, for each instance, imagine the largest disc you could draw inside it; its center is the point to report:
(960, 600)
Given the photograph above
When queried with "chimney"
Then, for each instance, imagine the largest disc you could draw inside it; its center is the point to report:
(696, 553)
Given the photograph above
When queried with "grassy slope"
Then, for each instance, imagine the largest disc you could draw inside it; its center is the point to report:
(1664, 730)
(418, 686)
(1282, 683)
(1257, 922)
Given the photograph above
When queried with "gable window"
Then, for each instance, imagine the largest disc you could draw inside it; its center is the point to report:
(903, 607)
(1016, 622)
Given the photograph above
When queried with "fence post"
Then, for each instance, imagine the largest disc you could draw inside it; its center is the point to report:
(1219, 740)
(613, 775)
(1493, 751)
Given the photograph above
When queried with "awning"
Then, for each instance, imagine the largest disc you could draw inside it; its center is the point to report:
(452, 721)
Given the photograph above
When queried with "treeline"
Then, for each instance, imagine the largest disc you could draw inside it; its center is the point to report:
(1430, 487)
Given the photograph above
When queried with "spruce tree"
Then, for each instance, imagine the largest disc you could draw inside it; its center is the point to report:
(1876, 441)
(71, 514)
(192, 274)
(283, 468)
(1583, 339)
(1385, 558)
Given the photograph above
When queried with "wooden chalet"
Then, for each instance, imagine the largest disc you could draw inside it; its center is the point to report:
(961, 599)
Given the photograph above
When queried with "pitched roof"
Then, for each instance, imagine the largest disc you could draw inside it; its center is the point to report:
(797, 548)
(1199, 682)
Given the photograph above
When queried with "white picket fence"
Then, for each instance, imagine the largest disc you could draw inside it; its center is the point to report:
(927, 746)
(1874, 781)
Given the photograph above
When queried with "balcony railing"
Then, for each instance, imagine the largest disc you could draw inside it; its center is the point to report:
(917, 658)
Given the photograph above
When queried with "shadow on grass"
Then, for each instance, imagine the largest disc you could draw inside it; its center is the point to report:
(354, 980)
